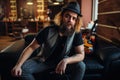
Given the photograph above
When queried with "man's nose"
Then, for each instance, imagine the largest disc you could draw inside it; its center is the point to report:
(70, 19)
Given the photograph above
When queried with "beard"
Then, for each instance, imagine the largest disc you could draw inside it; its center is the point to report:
(65, 31)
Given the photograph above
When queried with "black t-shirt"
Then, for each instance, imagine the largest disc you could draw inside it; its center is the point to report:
(55, 56)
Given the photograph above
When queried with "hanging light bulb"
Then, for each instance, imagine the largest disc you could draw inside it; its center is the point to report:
(56, 3)
(29, 2)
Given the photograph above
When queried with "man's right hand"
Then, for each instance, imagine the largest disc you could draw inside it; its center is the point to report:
(16, 71)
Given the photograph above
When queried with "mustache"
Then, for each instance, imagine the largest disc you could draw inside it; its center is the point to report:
(63, 29)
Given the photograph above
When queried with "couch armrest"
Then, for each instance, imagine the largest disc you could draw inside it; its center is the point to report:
(12, 52)
(109, 53)
(9, 57)
(15, 47)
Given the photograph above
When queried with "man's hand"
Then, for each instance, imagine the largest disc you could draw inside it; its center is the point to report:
(16, 71)
(60, 69)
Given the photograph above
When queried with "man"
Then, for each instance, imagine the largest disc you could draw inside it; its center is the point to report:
(62, 49)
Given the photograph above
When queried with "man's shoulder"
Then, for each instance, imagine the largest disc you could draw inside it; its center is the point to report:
(78, 33)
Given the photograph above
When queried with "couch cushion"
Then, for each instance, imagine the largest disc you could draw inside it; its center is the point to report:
(94, 69)
(93, 65)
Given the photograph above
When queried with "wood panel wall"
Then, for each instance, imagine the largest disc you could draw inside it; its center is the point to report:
(109, 21)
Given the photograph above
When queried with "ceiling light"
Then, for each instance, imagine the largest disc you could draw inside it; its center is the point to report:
(29, 2)
(56, 3)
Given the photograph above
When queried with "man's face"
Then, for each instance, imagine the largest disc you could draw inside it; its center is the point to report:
(68, 22)
(69, 19)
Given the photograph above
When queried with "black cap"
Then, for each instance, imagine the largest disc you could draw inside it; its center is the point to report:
(73, 6)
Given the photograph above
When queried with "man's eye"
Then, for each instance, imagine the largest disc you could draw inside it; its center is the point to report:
(74, 18)
(67, 16)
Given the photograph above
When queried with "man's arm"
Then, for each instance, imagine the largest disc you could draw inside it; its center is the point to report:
(79, 56)
(16, 71)
(27, 52)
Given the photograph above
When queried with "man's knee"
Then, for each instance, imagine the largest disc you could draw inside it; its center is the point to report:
(80, 66)
(26, 68)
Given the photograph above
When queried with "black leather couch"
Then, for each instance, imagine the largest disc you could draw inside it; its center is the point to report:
(102, 64)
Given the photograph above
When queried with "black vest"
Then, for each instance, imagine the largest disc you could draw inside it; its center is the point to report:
(47, 48)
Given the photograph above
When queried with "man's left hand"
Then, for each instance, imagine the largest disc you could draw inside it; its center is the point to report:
(60, 69)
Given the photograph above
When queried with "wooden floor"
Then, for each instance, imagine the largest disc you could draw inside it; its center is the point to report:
(5, 41)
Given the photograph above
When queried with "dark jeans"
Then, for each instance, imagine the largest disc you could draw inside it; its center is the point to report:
(32, 66)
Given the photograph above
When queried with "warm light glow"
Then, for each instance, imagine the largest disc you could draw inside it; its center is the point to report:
(29, 3)
(56, 3)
